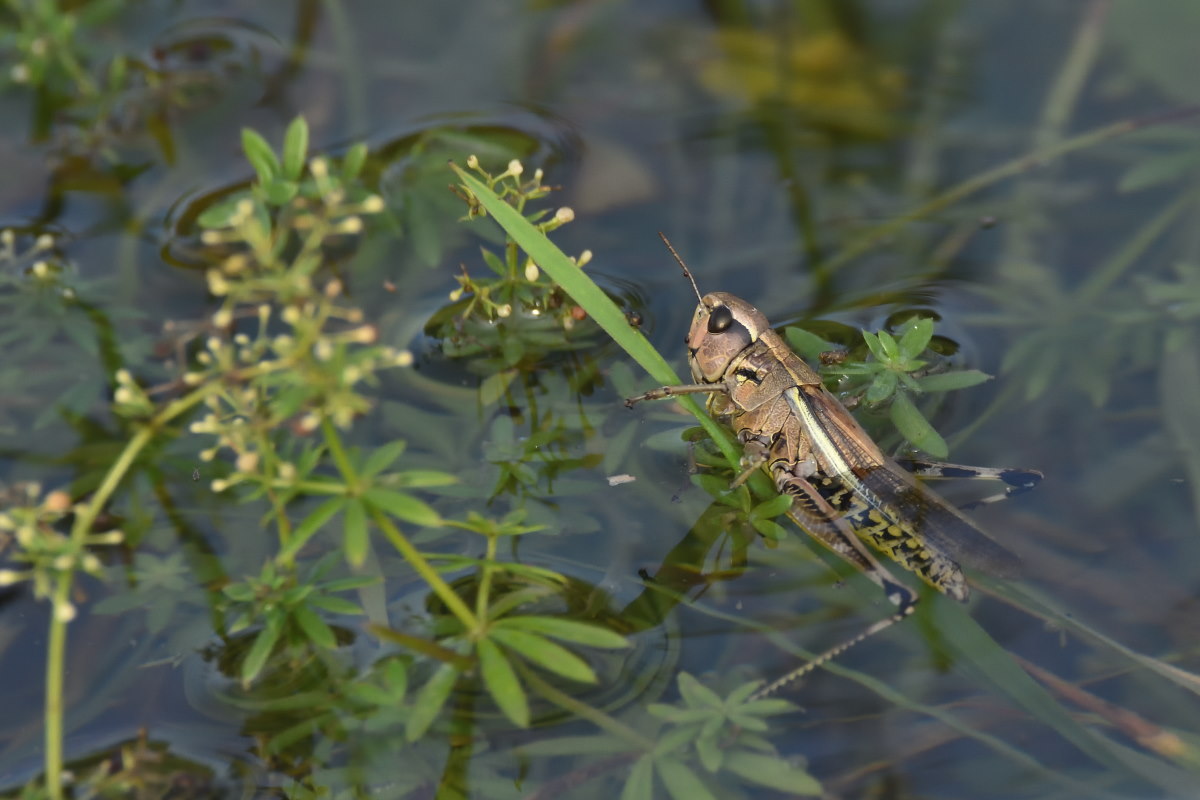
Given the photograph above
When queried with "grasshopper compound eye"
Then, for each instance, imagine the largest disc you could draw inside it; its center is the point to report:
(720, 319)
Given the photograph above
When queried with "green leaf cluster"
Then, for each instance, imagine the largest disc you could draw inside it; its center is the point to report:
(287, 608)
(721, 735)
(895, 374)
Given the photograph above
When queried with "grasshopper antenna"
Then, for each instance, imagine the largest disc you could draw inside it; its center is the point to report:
(830, 654)
(682, 266)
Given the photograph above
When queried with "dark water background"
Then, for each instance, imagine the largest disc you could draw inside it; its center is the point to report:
(791, 151)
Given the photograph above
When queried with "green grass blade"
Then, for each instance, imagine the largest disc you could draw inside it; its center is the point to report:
(591, 298)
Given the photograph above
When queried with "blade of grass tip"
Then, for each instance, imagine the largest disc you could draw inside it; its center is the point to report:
(592, 299)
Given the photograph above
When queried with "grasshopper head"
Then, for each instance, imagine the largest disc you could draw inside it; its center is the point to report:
(722, 328)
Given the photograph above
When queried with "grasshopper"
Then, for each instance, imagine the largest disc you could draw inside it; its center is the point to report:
(844, 489)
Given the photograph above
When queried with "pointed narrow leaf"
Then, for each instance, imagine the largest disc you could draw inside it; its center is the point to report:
(404, 506)
(948, 381)
(356, 540)
(429, 701)
(681, 782)
(874, 345)
(421, 478)
(353, 161)
(696, 694)
(545, 653)
(772, 508)
(883, 387)
(640, 783)
(335, 605)
(567, 630)
(383, 457)
(914, 427)
(260, 155)
(773, 772)
(914, 340)
(711, 754)
(806, 344)
(260, 651)
(889, 346)
(502, 683)
(315, 628)
(353, 582)
(295, 149)
(310, 525)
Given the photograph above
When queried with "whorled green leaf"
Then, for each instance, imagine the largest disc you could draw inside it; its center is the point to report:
(681, 782)
(769, 509)
(915, 428)
(806, 344)
(948, 381)
(315, 629)
(501, 682)
(772, 772)
(421, 478)
(770, 529)
(889, 346)
(677, 715)
(566, 630)
(882, 387)
(696, 694)
(260, 650)
(295, 149)
(308, 526)
(279, 192)
(260, 155)
(493, 261)
(353, 161)
(382, 457)
(916, 338)
(640, 783)
(545, 654)
(676, 740)
(588, 745)
(287, 737)
(335, 605)
(351, 582)
(241, 592)
(429, 701)
(356, 539)
(874, 345)
(711, 755)
(219, 214)
(493, 388)
(403, 506)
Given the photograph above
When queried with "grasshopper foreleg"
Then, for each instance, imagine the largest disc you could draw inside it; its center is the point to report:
(673, 391)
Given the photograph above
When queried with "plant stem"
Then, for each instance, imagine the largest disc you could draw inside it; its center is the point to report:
(398, 539)
(56, 648)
